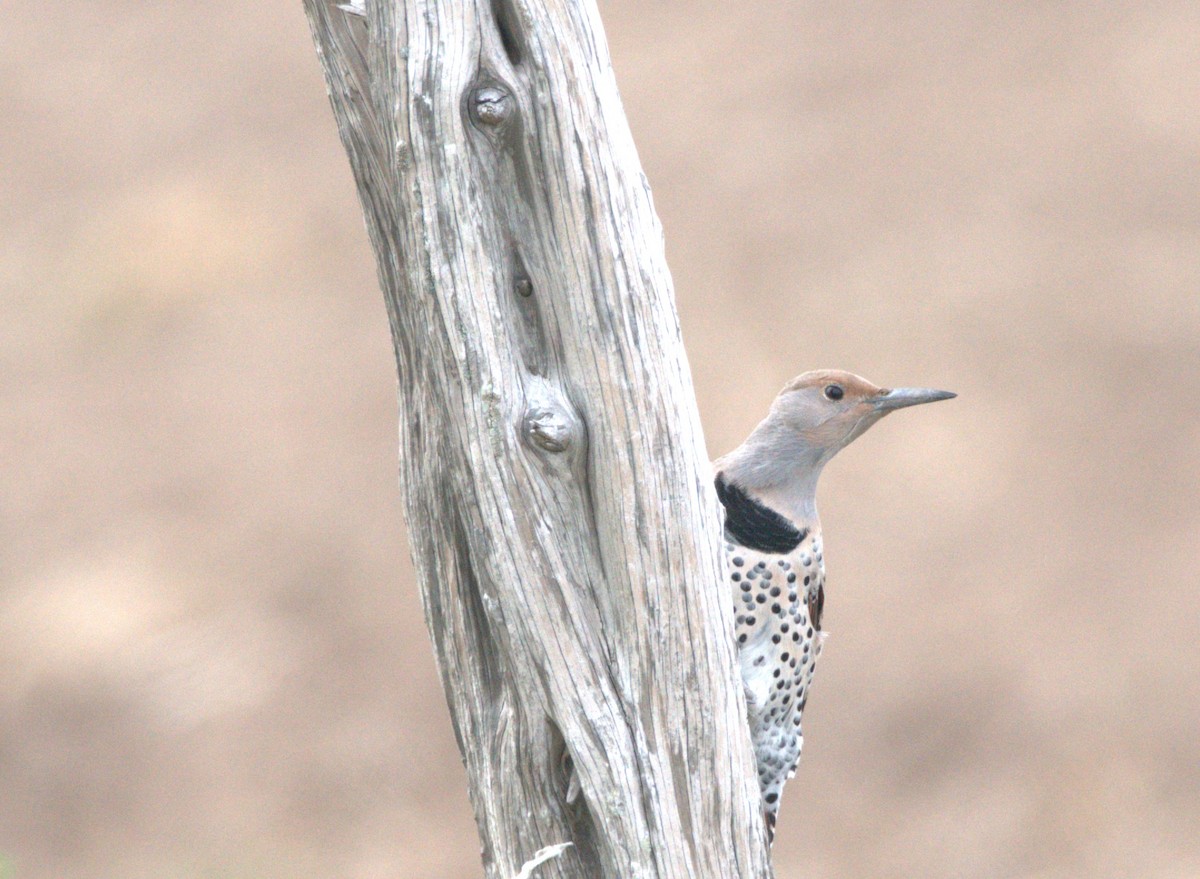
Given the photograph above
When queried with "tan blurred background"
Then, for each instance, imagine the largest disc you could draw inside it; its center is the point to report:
(212, 660)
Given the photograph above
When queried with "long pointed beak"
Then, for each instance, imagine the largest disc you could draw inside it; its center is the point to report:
(898, 398)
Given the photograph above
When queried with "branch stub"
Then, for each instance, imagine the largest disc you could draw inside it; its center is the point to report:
(549, 428)
(491, 106)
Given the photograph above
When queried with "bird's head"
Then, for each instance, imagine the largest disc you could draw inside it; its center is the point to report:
(828, 408)
(815, 416)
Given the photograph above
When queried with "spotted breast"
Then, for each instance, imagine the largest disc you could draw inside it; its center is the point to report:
(776, 571)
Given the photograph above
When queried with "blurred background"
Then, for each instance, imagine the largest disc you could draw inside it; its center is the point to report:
(212, 659)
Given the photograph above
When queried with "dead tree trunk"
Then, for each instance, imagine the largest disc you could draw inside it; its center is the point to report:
(557, 488)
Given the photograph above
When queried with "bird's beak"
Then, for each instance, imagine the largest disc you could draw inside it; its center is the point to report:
(898, 398)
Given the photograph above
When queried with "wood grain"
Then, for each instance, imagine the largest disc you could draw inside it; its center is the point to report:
(563, 523)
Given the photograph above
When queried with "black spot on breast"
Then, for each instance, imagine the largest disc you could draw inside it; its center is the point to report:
(755, 525)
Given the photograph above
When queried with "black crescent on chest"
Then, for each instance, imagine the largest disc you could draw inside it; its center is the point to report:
(754, 525)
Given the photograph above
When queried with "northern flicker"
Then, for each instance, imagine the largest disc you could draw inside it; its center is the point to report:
(775, 561)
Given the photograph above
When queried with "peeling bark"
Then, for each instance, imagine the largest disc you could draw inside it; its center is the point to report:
(564, 528)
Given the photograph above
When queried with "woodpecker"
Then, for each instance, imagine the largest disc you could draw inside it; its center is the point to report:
(775, 561)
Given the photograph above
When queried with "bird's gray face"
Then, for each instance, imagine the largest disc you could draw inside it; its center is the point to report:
(830, 408)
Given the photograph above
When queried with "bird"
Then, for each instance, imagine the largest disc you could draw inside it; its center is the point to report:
(775, 563)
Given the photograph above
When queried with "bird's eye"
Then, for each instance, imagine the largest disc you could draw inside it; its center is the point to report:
(834, 392)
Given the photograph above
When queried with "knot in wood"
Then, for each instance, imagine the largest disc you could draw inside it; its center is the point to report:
(491, 106)
(549, 428)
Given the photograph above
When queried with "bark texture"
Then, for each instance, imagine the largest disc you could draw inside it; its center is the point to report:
(558, 493)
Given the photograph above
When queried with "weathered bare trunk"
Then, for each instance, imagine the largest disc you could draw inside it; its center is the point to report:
(557, 488)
